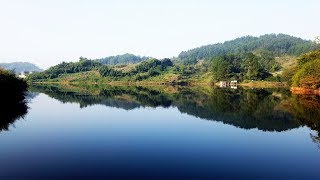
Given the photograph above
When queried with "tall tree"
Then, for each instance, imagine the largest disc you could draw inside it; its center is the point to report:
(252, 67)
(221, 69)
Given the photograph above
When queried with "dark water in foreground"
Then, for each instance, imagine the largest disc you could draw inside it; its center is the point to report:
(160, 133)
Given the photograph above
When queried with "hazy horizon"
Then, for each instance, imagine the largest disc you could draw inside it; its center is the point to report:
(49, 32)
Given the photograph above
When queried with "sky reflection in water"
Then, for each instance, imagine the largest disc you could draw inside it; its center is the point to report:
(161, 132)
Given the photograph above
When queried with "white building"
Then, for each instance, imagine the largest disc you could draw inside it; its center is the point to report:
(23, 74)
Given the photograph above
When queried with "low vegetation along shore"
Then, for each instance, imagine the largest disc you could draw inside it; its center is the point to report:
(9, 83)
(274, 60)
(12, 94)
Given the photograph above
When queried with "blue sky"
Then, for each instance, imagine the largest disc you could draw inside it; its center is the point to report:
(47, 32)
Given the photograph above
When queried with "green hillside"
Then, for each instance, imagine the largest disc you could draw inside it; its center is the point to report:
(268, 58)
(277, 44)
(308, 71)
(122, 59)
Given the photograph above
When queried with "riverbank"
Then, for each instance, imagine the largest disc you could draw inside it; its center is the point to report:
(253, 84)
(305, 91)
(263, 84)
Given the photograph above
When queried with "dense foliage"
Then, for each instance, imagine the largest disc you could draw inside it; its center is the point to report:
(108, 71)
(10, 82)
(12, 94)
(66, 68)
(239, 67)
(145, 69)
(245, 58)
(122, 59)
(153, 65)
(277, 44)
(308, 71)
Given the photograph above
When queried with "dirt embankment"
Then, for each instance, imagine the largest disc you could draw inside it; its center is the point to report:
(263, 84)
(299, 90)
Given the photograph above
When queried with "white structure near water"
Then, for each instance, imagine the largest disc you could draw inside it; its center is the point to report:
(232, 84)
(23, 74)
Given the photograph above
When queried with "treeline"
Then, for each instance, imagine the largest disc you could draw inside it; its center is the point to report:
(12, 94)
(277, 44)
(144, 70)
(242, 66)
(307, 72)
(230, 66)
(83, 65)
(122, 59)
(245, 58)
(10, 83)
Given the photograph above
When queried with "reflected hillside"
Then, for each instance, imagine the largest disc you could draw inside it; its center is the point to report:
(241, 108)
(267, 110)
(306, 110)
(127, 98)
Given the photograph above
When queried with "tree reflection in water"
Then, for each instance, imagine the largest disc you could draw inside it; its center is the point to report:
(13, 106)
(306, 109)
(264, 109)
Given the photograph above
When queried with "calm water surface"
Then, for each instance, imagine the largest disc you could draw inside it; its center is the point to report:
(160, 133)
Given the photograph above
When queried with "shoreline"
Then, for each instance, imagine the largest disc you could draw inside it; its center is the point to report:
(304, 91)
(264, 84)
(255, 84)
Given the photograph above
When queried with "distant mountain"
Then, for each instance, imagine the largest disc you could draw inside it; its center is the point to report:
(18, 67)
(122, 59)
(278, 44)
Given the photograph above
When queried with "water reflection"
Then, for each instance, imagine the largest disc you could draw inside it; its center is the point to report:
(13, 106)
(264, 109)
(59, 140)
(306, 109)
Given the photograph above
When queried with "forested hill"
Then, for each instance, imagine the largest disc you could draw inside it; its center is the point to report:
(307, 73)
(17, 67)
(278, 44)
(122, 59)
(268, 58)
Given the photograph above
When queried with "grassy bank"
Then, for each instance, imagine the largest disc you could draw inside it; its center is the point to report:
(264, 84)
(251, 84)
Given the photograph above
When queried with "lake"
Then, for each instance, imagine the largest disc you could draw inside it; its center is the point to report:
(162, 132)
